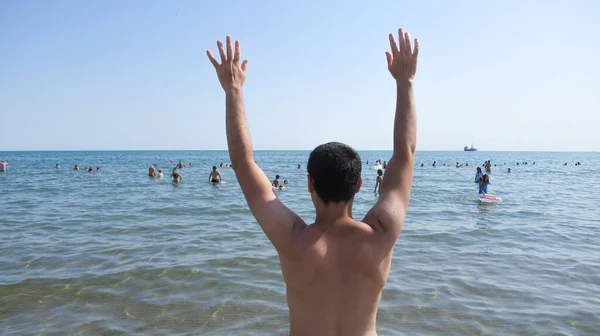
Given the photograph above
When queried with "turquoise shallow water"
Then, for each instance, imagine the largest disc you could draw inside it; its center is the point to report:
(118, 253)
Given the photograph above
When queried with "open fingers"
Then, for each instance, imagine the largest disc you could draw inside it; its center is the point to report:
(212, 59)
(221, 52)
(407, 46)
(236, 55)
(401, 40)
(229, 49)
(416, 50)
(389, 58)
(393, 45)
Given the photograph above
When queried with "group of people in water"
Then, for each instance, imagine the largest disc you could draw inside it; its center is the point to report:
(214, 176)
(76, 167)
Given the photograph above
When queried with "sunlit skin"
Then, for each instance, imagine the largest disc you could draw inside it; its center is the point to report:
(334, 269)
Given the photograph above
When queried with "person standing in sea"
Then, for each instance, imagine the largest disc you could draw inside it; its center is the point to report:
(3, 165)
(336, 268)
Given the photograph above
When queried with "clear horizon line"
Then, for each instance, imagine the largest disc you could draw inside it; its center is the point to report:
(276, 150)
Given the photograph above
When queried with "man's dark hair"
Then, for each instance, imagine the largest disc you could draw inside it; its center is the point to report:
(214, 167)
(335, 169)
(380, 172)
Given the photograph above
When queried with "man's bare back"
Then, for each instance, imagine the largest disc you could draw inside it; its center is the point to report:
(336, 268)
(335, 287)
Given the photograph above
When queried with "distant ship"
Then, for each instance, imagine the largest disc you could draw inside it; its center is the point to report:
(470, 149)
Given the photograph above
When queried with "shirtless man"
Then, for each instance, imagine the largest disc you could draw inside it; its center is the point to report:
(276, 183)
(180, 165)
(3, 165)
(215, 176)
(378, 179)
(336, 268)
(152, 171)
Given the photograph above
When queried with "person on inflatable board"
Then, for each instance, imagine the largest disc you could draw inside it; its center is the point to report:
(336, 268)
(483, 183)
(478, 175)
(215, 176)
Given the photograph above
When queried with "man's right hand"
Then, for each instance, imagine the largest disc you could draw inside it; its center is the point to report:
(402, 59)
(231, 74)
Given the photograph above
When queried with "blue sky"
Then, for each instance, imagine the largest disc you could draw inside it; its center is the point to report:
(505, 75)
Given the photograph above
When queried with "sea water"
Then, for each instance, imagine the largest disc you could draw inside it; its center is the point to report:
(119, 253)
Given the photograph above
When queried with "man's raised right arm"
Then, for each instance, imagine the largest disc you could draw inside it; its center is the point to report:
(387, 215)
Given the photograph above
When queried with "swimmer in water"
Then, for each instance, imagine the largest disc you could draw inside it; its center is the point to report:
(422, 165)
(91, 170)
(76, 167)
(160, 174)
(483, 183)
(285, 183)
(180, 165)
(434, 164)
(299, 166)
(457, 165)
(509, 170)
(152, 171)
(175, 175)
(215, 176)
(488, 167)
(335, 269)
(378, 180)
(276, 182)
(97, 169)
(3, 165)
(57, 166)
(478, 175)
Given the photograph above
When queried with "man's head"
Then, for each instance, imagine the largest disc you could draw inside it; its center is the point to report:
(380, 172)
(334, 171)
(215, 168)
(277, 177)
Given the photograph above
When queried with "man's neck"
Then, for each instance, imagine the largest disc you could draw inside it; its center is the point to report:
(333, 212)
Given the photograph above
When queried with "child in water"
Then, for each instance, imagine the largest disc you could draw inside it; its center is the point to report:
(483, 183)
(478, 175)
